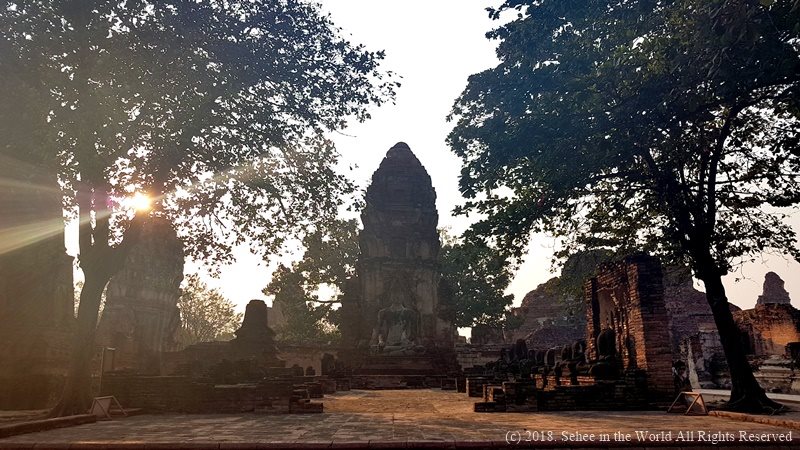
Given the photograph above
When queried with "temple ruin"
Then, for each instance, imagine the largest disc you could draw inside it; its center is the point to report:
(141, 316)
(623, 361)
(769, 333)
(393, 317)
(546, 322)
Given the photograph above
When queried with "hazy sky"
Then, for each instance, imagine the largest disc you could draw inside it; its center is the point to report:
(435, 46)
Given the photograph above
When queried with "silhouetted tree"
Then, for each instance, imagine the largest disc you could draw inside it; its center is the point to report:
(304, 316)
(671, 127)
(478, 277)
(216, 109)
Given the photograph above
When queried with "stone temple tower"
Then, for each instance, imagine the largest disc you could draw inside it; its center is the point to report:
(393, 308)
(141, 314)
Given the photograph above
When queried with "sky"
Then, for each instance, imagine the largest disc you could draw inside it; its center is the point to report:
(435, 46)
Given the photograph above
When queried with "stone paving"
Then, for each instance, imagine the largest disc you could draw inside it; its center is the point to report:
(362, 416)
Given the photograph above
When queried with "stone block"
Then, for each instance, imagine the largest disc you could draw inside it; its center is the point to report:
(489, 407)
(475, 386)
(492, 393)
(449, 384)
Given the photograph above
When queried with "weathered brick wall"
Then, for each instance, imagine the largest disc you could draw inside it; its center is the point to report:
(592, 317)
(36, 292)
(486, 335)
(183, 394)
(477, 355)
(33, 365)
(705, 359)
(687, 308)
(646, 324)
(770, 327)
(628, 297)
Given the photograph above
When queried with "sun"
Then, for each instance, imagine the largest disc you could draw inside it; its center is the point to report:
(140, 202)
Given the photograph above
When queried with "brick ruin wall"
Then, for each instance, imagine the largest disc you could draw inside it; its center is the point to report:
(628, 297)
(769, 327)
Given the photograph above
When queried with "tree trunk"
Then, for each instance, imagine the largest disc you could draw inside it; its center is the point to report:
(76, 396)
(99, 263)
(746, 394)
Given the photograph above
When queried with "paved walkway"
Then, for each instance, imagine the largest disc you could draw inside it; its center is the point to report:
(399, 416)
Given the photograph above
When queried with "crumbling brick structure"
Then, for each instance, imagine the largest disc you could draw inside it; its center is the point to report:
(141, 314)
(627, 298)
(769, 327)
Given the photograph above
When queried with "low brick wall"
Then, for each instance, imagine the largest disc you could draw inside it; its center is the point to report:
(477, 355)
(183, 394)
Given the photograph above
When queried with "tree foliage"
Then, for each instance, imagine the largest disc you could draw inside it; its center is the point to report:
(217, 109)
(220, 106)
(594, 110)
(578, 268)
(328, 261)
(478, 276)
(206, 315)
(330, 256)
(305, 319)
(669, 127)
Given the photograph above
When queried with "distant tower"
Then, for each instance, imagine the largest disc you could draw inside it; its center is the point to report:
(774, 291)
(395, 300)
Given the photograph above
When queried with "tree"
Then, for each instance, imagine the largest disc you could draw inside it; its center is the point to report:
(478, 276)
(304, 315)
(329, 260)
(216, 109)
(330, 256)
(206, 315)
(670, 127)
(577, 268)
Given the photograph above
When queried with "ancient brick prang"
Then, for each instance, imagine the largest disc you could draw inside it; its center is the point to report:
(395, 306)
(774, 292)
(141, 314)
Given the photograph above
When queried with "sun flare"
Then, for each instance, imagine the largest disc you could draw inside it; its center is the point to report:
(140, 202)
